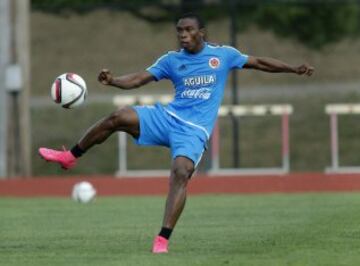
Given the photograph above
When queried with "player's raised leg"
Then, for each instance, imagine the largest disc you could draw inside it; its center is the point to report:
(124, 119)
(181, 171)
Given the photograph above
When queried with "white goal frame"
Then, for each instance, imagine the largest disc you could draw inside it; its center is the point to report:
(334, 110)
(260, 110)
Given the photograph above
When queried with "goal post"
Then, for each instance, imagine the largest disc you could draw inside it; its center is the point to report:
(334, 111)
(283, 110)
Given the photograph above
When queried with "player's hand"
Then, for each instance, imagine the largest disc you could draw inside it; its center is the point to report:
(304, 69)
(105, 77)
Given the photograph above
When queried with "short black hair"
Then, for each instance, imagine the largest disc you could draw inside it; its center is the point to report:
(198, 19)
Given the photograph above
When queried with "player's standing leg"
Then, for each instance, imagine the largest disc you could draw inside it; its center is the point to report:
(181, 171)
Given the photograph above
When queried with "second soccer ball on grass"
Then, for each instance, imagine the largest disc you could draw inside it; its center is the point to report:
(83, 192)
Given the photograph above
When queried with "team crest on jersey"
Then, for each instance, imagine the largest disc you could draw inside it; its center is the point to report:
(214, 62)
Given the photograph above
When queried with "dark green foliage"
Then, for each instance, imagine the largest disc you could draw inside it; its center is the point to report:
(313, 23)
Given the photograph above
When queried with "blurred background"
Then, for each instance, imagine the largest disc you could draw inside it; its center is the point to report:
(46, 38)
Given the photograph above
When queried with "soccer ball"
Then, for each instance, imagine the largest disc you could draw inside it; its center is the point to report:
(83, 192)
(69, 90)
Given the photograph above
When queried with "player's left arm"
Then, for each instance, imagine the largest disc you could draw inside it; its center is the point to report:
(272, 65)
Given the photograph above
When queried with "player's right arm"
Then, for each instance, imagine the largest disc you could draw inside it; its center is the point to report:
(125, 82)
(157, 71)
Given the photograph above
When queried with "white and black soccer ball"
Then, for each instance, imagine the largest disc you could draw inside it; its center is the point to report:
(69, 90)
(83, 192)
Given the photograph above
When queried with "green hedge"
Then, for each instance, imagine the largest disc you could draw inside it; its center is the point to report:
(313, 23)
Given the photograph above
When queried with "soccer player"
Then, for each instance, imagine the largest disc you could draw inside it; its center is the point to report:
(198, 71)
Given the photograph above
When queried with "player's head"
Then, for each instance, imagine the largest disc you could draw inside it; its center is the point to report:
(190, 30)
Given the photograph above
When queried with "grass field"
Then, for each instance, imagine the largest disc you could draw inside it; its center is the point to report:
(301, 229)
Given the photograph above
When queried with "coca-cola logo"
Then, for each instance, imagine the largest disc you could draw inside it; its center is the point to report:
(203, 93)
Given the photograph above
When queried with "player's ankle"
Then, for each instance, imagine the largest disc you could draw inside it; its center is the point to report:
(76, 151)
(165, 232)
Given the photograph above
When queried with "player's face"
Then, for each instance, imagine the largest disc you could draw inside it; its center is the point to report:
(190, 37)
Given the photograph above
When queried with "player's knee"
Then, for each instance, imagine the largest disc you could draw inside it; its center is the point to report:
(116, 118)
(182, 174)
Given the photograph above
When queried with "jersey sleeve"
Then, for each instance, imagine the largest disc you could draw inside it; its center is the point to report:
(161, 68)
(235, 58)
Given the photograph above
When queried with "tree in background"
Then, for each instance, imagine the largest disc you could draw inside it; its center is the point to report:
(315, 23)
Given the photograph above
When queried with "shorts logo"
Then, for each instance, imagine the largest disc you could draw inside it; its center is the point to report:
(214, 62)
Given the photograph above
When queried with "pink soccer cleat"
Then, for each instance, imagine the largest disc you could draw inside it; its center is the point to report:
(65, 158)
(160, 245)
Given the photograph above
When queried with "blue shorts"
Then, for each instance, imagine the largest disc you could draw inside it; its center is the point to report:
(158, 127)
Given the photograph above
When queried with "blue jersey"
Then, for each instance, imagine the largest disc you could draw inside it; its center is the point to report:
(199, 81)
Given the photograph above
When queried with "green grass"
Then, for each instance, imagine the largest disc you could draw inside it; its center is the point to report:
(302, 229)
